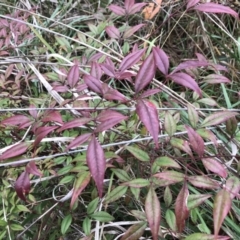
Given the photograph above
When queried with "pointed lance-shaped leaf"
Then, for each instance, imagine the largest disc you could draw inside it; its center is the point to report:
(135, 231)
(22, 185)
(196, 141)
(136, 8)
(78, 122)
(115, 194)
(194, 200)
(138, 153)
(215, 8)
(181, 144)
(78, 140)
(170, 124)
(215, 167)
(207, 134)
(205, 236)
(221, 207)
(96, 163)
(149, 92)
(191, 3)
(79, 185)
(181, 209)
(217, 118)
(112, 32)
(216, 78)
(33, 112)
(203, 182)
(190, 64)
(31, 168)
(52, 116)
(15, 151)
(117, 10)
(107, 123)
(145, 73)
(73, 76)
(42, 132)
(148, 114)
(171, 176)
(233, 186)
(93, 83)
(96, 70)
(186, 81)
(137, 183)
(166, 162)
(161, 60)
(16, 120)
(128, 4)
(153, 212)
(192, 115)
(112, 94)
(128, 33)
(108, 69)
(131, 59)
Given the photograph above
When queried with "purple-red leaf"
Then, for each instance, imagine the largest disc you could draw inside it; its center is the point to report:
(112, 32)
(233, 186)
(22, 185)
(171, 176)
(217, 118)
(93, 83)
(112, 94)
(16, 120)
(117, 10)
(108, 69)
(73, 76)
(153, 212)
(221, 207)
(196, 141)
(33, 112)
(136, 8)
(203, 182)
(145, 73)
(31, 168)
(131, 59)
(108, 119)
(216, 78)
(150, 92)
(186, 81)
(78, 122)
(128, 33)
(192, 3)
(96, 163)
(14, 151)
(52, 116)
(148, 114)
(190, 64)
(96, 70)
(128, 4)
(42, 132)
(78, 140)
(161, 60)
(215, 8)
(79, 185)
(215, 167)
(181, 209)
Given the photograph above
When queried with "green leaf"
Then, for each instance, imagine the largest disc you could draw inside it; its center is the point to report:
(217, 118)
(139, 215)
(67, 179)
(115, 194)
(138, 153)
(16, 227)
(135, 192)
(66, 222)
(63, 42)
(92, 206)
(137, 183)
(102, 216)
(170, 124)
(166, 162)
(192, 116)
(204, 236)
(194, 200)
(3, 224)
(22, 208)
(65, 170)
(171, 220)
(121, 174)
(87, 226)
(135, 231)
(167, 196)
